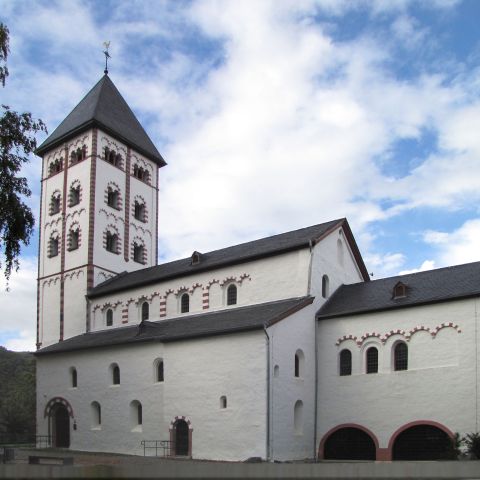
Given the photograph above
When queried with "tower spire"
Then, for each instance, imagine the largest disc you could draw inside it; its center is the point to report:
(107, 56)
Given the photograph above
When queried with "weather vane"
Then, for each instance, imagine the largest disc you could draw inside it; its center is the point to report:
(107, 56)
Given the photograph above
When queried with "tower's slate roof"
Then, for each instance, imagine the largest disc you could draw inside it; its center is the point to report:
(244, 252)
(232, 320)
(105, 108)
(422, 288)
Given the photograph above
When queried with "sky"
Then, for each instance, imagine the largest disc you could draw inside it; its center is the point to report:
(272, 115)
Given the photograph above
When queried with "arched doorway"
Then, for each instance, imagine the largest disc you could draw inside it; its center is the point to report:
(181, 438)
(422, 442)
(349, 443)
(60, 426)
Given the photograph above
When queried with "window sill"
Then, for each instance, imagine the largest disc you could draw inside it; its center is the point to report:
(115, 386)
(96, 428)
(138, 429)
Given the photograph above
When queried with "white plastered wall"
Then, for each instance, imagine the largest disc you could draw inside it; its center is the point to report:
(287, 337)
(439, 385)
(197, 373)
(269, 279)
(340, 268)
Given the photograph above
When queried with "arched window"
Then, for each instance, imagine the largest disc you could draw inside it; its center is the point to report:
(325, 286)
(276, 371)
(55, 167)
(345, 362)
(96, 411)
(113, 197)
(55, 204)
(115, 369)
(73, 238)
(74, 195)
(223, 401)
(372, 360)
(340, 255)
(109, 317)
(232, 295)
(400, 356)
(298, 417)
(73, 377)
(140, 173)
(140, 211)
(185, 303)
(111, 242)
(53, 247)
(138, 253)
(159, 374)
(136, 414)
(145, 311)
(299, 363)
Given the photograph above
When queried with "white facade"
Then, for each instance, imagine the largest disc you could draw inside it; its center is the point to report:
(272, 390)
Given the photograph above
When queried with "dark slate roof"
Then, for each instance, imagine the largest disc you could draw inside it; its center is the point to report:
(443, 284)
(104, 107)
(229, 256)
(232, 320)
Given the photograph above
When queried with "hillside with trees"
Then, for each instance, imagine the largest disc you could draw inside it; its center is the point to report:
(17, 392)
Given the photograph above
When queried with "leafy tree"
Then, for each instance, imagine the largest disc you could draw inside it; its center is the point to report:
(17, 393)
(17, 141)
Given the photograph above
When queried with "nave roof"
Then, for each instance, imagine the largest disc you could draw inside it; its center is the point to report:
(236, 254)
(422, 288)
(228, 321)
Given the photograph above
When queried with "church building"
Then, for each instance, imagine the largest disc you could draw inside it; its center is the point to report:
(281, 348)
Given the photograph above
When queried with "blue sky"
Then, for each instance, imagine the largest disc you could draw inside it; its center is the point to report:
(273, 115)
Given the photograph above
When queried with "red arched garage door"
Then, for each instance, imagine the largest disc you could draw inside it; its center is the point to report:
(422, 442)
(349, 443)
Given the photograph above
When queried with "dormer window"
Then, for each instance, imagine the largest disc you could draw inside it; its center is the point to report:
(399, 290)
(196, 257)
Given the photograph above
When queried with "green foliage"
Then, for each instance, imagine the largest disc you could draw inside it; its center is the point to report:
(4, 50)
(17, 392)
(17, 141)
(454, 447)
(472, 442)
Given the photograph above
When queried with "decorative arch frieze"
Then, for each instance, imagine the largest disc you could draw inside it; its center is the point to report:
(406, 334)
(74, 274)
(57, 401)
(112, 215)
(51, 281)
(75, 214)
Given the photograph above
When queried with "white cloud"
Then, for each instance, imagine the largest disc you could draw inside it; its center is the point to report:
(426, 265)
(278, 127)
(18, 307)
(457, 247)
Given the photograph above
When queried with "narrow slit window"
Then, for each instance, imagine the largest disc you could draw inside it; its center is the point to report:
(185, 303)
(232, 295)
(372, 360)
(345, 362)
(400, 356)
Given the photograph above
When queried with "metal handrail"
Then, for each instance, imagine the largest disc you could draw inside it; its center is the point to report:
(25, 440)
(163, 445)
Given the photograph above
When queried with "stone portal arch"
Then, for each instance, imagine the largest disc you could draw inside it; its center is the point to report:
(181, 437)
(59, 412)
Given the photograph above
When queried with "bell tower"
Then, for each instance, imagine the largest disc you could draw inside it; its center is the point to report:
(98, 210)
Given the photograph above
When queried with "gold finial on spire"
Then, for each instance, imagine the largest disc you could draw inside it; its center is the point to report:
(107, 56)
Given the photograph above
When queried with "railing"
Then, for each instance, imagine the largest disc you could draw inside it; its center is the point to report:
(157, 445)
(25, 440)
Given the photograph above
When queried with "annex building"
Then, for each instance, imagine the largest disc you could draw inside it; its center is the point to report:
(280, 348)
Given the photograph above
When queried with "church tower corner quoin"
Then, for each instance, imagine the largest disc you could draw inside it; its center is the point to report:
(98, 209)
